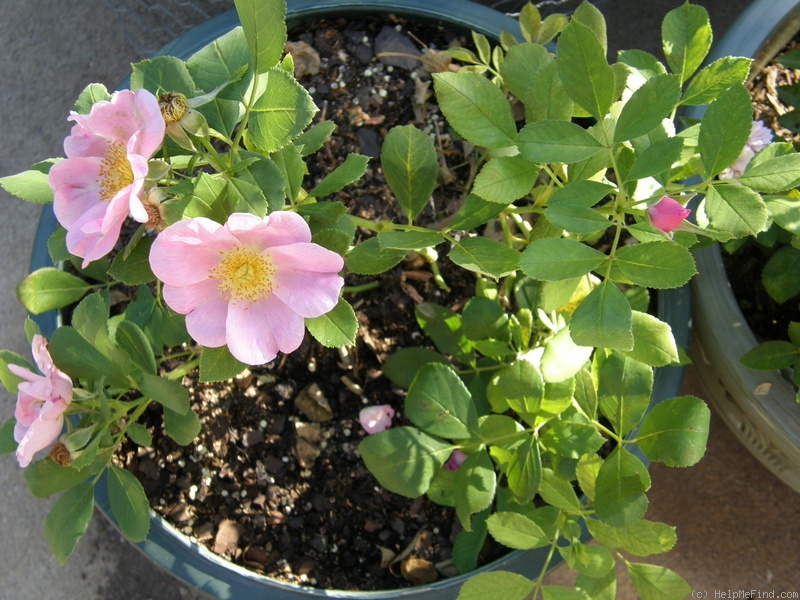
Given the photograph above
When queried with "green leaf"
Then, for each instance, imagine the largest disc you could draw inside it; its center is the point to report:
(335, 328)
(785, 212)
(474, 212)
(493, 584)
(584, 71)
(349, 171)
(622, 481)
(686, 39)
(519, 386)
(91, 94)
(647, 107)
(524, 471)
(31, 185)
(264, 25)
(402, 366)
(483, 319)
(404, 460)
(443, 326)
(736, 209)
(582, 193)
(586, 472)
(167, 392)
(675, 432)
(439, 403)
(128, 504)
(132, 340)
(218, 364)
(562, 358)
(134, 268)
(546, 99)
(139, 435)
(571, 436)
(505, 179)
(475, 486)
(603, 588)
(724, 129)
(556, 142)
(653, 342)
(656, 159)
(50, 288)
(67, 521)
(485, 256)
(591, 561)
(475, 108)
(774, 175)
(559, 259)
(516, 531)
(770, 356)
(558, 492)
(45, 478)
(653, 582)
(281, 113)
(644, 62)
(716, 78)
(182, 428)
(409, 240)
(368, 258)
(623, 390)
(314, 137)
(643, 538)
(8, 444)
(520, 65)
(74, 355)
(162, 74)
(469, 544)
(409, 162)
(7, 378)
(576, 218)
(660, 265)
(594, 20)
(603, 319)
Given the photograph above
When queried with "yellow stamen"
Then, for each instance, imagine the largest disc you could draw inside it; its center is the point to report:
(243, 275)
(115, 171)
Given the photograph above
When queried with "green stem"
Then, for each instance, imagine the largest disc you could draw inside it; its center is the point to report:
(364, 287)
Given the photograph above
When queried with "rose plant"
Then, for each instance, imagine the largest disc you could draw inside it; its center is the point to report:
(524, 408)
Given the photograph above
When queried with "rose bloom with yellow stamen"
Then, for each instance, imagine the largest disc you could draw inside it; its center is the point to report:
(102, 179)
(249, 284)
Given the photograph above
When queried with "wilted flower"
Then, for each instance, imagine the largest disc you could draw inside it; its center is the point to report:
(375, 419)
(102, 179)
(760, 138)
(181, 119)
(667, 214)
(41, 402)
(456, 458)
(248, 284)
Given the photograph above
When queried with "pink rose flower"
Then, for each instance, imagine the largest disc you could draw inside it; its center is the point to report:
(667, 214)
(456, 458)
(41, 402)
(102, 179)
(248, 284)
(375, 419)
(760, 138)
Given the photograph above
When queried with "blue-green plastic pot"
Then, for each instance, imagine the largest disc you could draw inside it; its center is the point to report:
(190, 561)
(759, 407)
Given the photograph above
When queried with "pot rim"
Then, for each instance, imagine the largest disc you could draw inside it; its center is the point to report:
(768, 424)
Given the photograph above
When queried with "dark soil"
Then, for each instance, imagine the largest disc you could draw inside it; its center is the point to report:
(281, 489)
(767, 318)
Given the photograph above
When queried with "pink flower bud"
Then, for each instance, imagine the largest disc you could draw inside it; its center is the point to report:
(667, 214)
(375, 419)
(456, 458)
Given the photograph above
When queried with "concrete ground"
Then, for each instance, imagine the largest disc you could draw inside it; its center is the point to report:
(738, 526)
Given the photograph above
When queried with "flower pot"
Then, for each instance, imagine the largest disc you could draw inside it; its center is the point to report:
(193, 563)
(758, 406)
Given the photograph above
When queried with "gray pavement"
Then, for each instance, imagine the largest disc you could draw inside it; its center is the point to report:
(738, 526)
